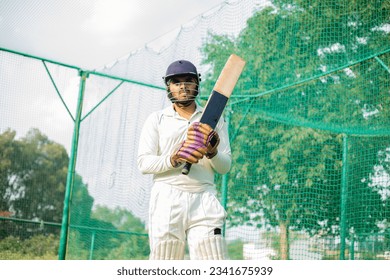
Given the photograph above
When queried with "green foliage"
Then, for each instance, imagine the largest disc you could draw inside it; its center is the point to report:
(120, 218)
(39, 247)
(33, 173)
(76, 249)
(235, 250)
(81, 203)
(109, 234)
(308, 80)
(133, 248)
(45, 167)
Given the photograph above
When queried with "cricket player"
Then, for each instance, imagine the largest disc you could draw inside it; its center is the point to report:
(184, 208)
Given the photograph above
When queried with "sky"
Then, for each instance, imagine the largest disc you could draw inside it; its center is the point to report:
(91, 33)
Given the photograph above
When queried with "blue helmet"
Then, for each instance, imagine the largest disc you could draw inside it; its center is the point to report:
(181, 68)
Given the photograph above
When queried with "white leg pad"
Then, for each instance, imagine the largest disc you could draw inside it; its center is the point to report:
(211, 248)
(168, 250)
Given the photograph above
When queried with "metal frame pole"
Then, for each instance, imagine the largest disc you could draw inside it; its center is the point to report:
(344, 183)
(225, 178)
(71, 168)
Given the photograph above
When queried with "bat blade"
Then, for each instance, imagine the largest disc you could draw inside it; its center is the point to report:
(216, 105)
(220, 95)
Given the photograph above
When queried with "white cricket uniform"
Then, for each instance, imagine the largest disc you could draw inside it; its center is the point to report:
(181, 206)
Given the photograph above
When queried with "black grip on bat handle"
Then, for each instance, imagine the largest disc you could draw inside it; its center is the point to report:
(186, 169)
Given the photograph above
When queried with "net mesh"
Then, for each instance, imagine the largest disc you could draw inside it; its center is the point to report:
(309, 123)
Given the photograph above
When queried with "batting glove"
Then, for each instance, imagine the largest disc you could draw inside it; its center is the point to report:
(204, 135)
(188, 151)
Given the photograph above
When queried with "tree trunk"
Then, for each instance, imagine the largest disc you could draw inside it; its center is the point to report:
(284, 241)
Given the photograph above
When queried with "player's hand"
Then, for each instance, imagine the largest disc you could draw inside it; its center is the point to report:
(204, 135)
(188, 151)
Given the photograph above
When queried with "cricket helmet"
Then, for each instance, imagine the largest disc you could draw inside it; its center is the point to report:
(181, 68)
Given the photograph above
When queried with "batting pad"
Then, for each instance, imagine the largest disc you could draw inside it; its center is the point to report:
(211, 248)
(168, 250)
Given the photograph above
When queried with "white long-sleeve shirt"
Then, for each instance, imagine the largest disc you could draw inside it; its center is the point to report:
(161, 136)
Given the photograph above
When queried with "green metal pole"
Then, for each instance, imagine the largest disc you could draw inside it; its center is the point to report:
(383, 64)
(71, 168)
(225, 177)
(352, 248)
(343, 219)
(92, 245)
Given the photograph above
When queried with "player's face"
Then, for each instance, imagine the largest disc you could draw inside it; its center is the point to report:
(183, 88)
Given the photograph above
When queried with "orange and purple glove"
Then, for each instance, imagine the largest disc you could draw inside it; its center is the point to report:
(204, 135)
(201, 141)
(188, 151)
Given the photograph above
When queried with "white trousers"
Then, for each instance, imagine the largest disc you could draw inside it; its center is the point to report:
(184, 216)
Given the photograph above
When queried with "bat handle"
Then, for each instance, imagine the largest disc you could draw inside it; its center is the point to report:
(186, 169)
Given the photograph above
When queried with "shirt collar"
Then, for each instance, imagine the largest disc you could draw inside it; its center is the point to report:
(169, 111)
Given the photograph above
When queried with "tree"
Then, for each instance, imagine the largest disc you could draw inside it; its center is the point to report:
(32, 175)
(9, 166)
(46, 165)
(286, 174)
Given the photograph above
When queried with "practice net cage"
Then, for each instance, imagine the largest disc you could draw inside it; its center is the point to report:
(309, 125)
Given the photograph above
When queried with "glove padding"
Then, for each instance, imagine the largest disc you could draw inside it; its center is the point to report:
(188, 151)
(203, 134)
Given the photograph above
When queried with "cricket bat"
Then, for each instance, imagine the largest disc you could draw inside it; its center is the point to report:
(220, 95)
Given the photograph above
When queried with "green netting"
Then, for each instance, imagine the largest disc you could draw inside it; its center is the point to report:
(309, 123)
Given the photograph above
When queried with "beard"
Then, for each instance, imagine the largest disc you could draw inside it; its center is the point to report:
(185, 99)
(183, 103)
